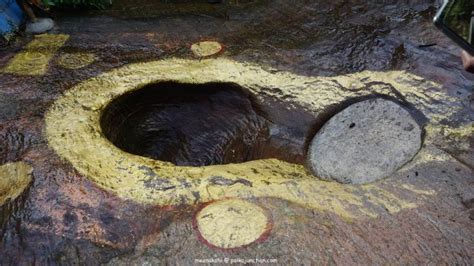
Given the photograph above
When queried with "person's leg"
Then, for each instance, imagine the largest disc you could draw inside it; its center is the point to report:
(28, 10)
(35, 25)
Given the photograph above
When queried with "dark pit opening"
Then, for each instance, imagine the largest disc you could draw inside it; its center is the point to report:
(189, 124)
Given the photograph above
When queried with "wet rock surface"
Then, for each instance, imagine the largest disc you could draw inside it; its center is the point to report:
(8, 107)
(66, 218)
(365, 142)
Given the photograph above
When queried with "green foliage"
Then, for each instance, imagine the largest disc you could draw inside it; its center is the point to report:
(100, 4)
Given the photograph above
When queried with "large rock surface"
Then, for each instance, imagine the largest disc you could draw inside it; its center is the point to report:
(365, 142)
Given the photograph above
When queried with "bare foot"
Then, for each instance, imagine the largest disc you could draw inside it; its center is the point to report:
(468, 61)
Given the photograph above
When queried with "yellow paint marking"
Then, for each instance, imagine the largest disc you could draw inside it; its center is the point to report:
(73, 131)
(389, 201)
(34, 59)
(461, 135)
(232, 223)
(76, 60)
(206, 48)
(429, 192)
(14, 179)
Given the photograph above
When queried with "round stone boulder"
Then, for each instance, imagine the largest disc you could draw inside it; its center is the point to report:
(367, 141)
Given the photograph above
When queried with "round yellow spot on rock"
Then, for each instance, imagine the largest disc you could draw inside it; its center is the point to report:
(76, 60)
(206, 48)
(14, 179)
(232, 223)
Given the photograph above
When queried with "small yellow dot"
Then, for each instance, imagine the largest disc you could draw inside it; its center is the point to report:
(206, 48)
(232, 223)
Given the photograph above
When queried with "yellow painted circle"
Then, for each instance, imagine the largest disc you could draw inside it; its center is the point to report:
(206, 48)
(76, 60)
(232, 223)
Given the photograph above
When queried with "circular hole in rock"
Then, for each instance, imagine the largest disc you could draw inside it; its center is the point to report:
(188, 124)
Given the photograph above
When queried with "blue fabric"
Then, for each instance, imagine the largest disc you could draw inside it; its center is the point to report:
(11, 16)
